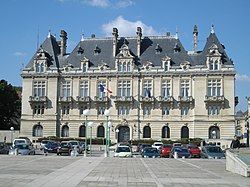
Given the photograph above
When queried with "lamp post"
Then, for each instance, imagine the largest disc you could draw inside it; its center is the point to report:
(106, 113)
(86, 113)
(90, 124)
(109, 126)
(117, 133)
(11, 135)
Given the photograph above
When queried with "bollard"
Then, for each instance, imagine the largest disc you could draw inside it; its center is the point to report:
(175, 155)
(16, 152)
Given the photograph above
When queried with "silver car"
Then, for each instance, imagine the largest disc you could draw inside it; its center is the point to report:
(212, 152)
(22, 149)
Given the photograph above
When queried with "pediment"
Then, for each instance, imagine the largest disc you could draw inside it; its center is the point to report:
(124, 52)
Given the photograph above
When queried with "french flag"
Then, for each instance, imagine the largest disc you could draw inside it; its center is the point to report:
(104, 89)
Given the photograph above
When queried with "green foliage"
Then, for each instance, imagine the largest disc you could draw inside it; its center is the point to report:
(10, 106)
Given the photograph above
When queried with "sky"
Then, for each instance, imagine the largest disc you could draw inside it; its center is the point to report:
(24, 24)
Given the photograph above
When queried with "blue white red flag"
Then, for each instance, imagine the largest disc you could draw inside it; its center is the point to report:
(104, 89)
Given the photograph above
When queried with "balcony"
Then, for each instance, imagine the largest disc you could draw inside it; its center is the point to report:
(211, 100)
(65, 99)
(85, 99)
(98, 99)
(145, 99)
(187, 100)
(122, 99)
(169, 100)
(38, 99)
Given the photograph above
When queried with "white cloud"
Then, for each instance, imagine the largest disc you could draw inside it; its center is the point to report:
(127, 28)
(123, 3)
(244, 77)
(18, 53)
(98, 3)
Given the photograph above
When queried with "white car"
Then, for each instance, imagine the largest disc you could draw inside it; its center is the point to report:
(123, 151)
(157, 145)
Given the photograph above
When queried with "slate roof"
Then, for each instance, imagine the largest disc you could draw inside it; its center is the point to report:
(148, 51)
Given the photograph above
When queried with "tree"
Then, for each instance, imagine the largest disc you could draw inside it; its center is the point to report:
(10, 106)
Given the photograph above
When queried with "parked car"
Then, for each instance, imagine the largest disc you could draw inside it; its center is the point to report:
(181, 152)
(212, 152)
(194, 150)
(75, 143)
(123, 151)
(51, 147)
(22, 149)
(4, 149)
(177, 144)
(64, 148)
(143, 146)
(21, 141)
(44, 142)
(157, 145)
(165, 150)
(150, 152)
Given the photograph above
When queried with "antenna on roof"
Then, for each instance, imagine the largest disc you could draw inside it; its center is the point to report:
(37, 42)
(212, 29)
(176, 33)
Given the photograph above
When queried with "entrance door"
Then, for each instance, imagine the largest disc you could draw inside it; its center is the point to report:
(124, 134)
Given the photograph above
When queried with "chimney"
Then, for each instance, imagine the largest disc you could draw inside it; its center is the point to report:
(115, 34)
(195, 37)
(139, 35)
(63, 42)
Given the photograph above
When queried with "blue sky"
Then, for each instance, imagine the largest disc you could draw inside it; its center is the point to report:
(22, 20)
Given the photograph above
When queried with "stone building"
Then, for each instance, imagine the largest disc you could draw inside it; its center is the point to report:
(152, 87)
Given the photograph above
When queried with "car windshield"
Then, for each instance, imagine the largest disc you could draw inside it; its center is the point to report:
(145, 145)
(64, 144)
(73, 143)
(214, 149)
(166, 146)
(122, 149)
(180, 149)
(22, 146)
(19, 141)
(158, 144)
(151, 151)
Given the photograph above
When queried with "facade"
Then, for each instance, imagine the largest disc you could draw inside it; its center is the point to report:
(152, 87)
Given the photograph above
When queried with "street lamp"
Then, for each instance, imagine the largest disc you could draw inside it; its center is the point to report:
(106, 113)
(90, 124)
(117, 133)
(86, 113)
(11, 135)
(109, 126)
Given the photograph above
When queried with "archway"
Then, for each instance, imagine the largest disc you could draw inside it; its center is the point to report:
(123, 134)
(100, 131)
(38, 131)
(147, 132)
(165, 132)
(65, 131)
(184, 132)
(214, 132)
(82, 130)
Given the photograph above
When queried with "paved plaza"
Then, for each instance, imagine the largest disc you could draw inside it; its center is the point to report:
(52, 170)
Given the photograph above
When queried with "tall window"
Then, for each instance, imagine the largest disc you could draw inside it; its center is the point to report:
(184, 110)
(65, 109)
(100, 110)
(84, 89)
(38, 131)
(84, 67)
(147, 132)
(165, 111)
(38, 109)
(184, 88)
(66, 89)
(123, 110)
(213, 65)
(40, 67)
(166, 66)
(39, 88)
(82, 130)
(214, 132)
(213, 110)
(100, 131)
(124, 88)
(124, 66)
(99, 91)
(81, 109)
(146, 110)
(165, 132)
(165, 88)
(147, 88)
(65, 131)
(214, 87)
(184, 132)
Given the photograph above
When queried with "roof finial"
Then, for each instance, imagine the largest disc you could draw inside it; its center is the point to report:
(82, 39)
(212, 29)
(49, 34)
(176, 33)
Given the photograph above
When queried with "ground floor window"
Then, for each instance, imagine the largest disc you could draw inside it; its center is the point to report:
(82, 130)
(147, 132)
(100, 131)
(38, 131)
(65, 131)
(214, 132)
(184, 132)
(165, 132)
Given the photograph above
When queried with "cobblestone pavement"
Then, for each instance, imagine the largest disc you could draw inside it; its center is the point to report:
(55, 170)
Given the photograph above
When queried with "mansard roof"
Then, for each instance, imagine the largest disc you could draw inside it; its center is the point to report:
(149, 53)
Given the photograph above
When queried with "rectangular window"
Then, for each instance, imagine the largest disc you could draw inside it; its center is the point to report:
(124, 66)
(100, 92)
(123, 110)
(184, 111)
(66, 89)
(166, 66)
(214, 87)
(84, 89)
(124, 88)
(213, 65)
(100, 110)
(165, 111)
(213, 110)
(38, 109)
(184, 88)
(166, 88)
(65, 109)
(81, 109)
(84, 67)
(39, 88)
(146, 110)
(147, 88)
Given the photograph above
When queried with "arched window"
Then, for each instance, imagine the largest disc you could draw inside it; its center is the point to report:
(165, 133)
(38, 131)
(147, 132)
(82, 130)
(100, 131)
(65, 131)
(184, 132)
(214, 132)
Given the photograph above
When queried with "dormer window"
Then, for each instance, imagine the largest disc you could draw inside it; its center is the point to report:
(40, 67)
(213, 65)
(177, 48)
(84, 67)
(84, 64)
(214, 58)
(158, 49)
(80, 50)
(124, 66)
(166, 63)
(97, 50)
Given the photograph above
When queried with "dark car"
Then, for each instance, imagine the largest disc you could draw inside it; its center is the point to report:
(181, 152)
(150, 152)
(165, 150)
(194, 150)
(51, 147)
(64, 148)
(212, 152)
(143, 146)
(4, 149)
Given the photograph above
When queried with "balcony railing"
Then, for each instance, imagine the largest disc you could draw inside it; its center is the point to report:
(185, 100)
(101, 99)
(38, 99)
(85, 99)
(65, 99)
(219, 100)
(166, 101)
(124, 98)
(146, 99)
